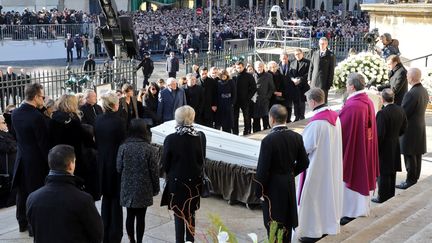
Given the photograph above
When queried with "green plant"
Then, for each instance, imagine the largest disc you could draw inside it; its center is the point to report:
(219, 226)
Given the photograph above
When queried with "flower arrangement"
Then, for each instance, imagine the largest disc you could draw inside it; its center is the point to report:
(370, 65)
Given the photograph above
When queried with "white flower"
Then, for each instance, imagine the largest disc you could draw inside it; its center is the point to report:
(253, 237)
(223, 237)
(352, 69)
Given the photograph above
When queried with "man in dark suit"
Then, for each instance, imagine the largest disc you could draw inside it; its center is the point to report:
(172, 65)
(282, 157)
(31, 165)
(90, 109)
(289, 92)
(246, 88)
(194, 96)
(413, 142)
(89, 66)
(69, 45)
(322, 67)
(209, 107)
(397, 79)
(299, 69)
(391, 123)
(71, 211)
(147, 68)
(170, 99)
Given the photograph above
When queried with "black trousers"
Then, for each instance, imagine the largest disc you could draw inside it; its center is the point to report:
(112, 217)
(267, 220)
(137, 214)
(146, 81)
(289, 106)
(181, 226)
(21, 199)
(413, 167)
(79, 52)
(299, 109)
(246, 119)
(326, 95)
(257, 124)
(69, 55)
(172, 74)
(386, 186)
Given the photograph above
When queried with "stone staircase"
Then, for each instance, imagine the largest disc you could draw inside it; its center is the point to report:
(407, 217)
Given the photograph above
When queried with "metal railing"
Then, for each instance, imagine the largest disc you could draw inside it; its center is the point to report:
(45, 31)
(70, 80)
(426, 57)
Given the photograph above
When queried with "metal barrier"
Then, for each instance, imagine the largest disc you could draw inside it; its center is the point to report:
(45, 31)
(70, 80)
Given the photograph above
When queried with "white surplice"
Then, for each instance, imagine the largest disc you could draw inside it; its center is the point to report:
(320, 207)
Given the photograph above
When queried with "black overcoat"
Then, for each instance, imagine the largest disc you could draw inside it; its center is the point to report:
(110, 131)
(282, 157)
(414, 103)
(398, 83)
(31, 164)
(300, 72)
(61, 212)
(391, 123)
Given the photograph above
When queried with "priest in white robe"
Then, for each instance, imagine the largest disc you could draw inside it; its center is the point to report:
(321, 186)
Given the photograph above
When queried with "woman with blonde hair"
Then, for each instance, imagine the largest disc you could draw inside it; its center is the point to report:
(183, 161)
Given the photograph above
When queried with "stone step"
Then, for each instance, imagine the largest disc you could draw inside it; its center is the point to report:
(424, 235)
(385, 216)
(407, 228)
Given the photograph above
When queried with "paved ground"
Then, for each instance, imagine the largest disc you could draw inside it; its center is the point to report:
(159, 221)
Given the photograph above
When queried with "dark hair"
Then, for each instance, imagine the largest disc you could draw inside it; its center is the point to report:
(60, 157)
(204, 69)
(239, 63)
(138, 129)
(279, 113)
(387, 95)
(31, 90)
(149, 93)
(127, 87)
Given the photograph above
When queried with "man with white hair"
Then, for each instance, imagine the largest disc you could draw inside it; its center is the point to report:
(413, 142)
(360, 149)
(261, 99)
(90, 109)
(170, 99)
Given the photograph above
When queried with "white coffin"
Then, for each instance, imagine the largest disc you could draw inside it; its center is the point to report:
(221, 146)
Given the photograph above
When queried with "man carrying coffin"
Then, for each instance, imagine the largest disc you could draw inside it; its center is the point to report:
(360, 149)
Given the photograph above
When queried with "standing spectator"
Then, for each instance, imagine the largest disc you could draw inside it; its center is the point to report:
(397, 79)
(321, 185)
(226, 100)
(261, 99)
(97, 45)
(8, 150)
(277, 97)
(69, 45)
(282, 157)
(110, 131)
(391, 123)
(289, 92)
(71, 215)
(170, 99)
(299, 69)
(360, 150)
(183, 161)
(31, 165)
(150, 104)
(90, 110)
(129, 108)
(322, 67)
(11, 80)
(210, 98)
(137, 164)
(194, 96)
(413, 142)
(147, 68)
(89, 66)
(172, 65)
(78, 45)
(196, 71)
(246, 88)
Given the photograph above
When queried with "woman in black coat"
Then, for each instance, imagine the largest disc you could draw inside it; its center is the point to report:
(150, 104)
(136, 161)
(226, 99)
(110, 130)
(183, 158)
(8, 148)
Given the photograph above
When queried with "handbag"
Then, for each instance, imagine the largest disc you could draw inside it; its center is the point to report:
(5, 180)
(206, 186)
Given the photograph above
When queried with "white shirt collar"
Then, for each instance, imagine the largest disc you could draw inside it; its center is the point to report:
(356, 93)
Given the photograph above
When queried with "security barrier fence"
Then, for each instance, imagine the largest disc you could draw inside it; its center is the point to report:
(45, 31)
(69, 80)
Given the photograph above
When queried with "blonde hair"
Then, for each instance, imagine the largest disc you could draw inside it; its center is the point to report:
(184, 115)
(69, 104)
(109, 100)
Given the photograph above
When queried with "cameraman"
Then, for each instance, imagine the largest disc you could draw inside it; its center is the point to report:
(390, 46)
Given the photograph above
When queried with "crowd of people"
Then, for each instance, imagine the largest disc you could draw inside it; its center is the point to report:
(45, 16)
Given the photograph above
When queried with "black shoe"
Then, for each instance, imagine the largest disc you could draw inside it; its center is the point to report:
(30, 232)
(404, 185)
(377, 200)
(23, 228)
(346, 220)
(308, 239)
